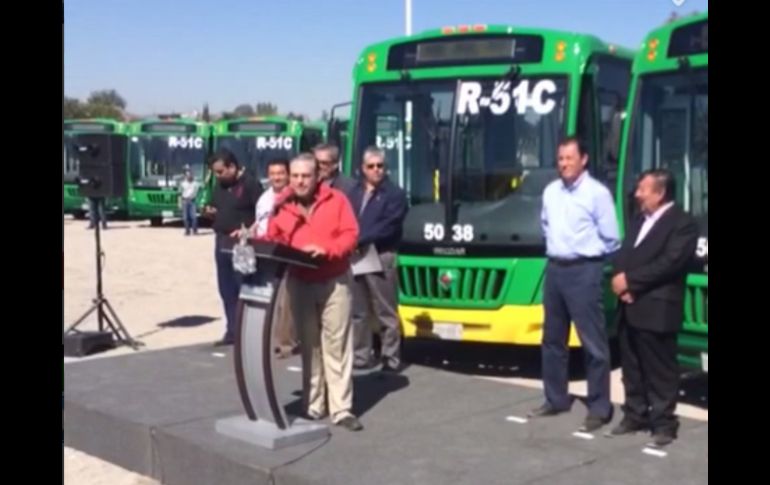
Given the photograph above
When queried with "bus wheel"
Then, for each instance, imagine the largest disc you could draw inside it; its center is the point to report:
(156, 221)
(79, 215)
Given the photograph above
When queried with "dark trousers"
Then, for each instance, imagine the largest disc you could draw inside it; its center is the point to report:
(377, 294)
(189, 216)
(229, 282)
(650, 377)
(574, 293)
(96, 213)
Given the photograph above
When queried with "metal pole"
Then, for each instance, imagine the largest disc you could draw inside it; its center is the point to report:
(408, 16)
(95, 201)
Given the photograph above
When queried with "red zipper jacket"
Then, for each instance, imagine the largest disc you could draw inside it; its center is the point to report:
(330, 224)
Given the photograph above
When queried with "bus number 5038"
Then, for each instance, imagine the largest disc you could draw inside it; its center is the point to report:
(460, 232)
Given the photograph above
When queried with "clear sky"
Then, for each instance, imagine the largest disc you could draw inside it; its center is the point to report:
(175, 55)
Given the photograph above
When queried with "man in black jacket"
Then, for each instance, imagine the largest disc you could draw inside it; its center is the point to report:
(232, 207)
(650, 271)
(381, 208)
(328, 158)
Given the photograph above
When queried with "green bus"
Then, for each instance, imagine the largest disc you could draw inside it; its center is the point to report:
(470, 117)
(159, 151)
(74, 203)
(257, 140)
(667, 126)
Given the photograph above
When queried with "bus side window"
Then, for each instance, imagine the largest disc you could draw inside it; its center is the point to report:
(612, 86)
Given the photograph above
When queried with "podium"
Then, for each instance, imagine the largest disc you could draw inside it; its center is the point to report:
(265, 422)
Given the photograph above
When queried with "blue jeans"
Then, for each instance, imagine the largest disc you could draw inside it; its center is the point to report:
(229, 282)
(96, 213)
(190, 217)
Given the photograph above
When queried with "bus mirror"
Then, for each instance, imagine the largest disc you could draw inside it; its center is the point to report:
(333, 132)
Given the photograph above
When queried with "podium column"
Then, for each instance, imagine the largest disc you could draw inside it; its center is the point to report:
(265, 422)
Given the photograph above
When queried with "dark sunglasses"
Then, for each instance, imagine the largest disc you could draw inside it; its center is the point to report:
(370, 166)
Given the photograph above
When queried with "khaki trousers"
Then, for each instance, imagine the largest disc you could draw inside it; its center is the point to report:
(321, 312)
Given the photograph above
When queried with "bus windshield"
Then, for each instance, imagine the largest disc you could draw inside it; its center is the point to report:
(411, 123)
(71, 162)
(511, 148)
(506, 134)
(670, 130)
(160, 161)
(255, 151)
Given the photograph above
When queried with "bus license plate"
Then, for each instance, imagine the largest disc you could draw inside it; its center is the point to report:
(704, 361)
(167, 213)
(448, 331)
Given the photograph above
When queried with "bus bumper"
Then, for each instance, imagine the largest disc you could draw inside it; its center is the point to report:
(509, 324)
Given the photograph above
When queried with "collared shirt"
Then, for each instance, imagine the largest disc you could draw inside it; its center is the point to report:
(649, 221)
(367, 196)
(189, 189)
(264, 209)
(578, 220)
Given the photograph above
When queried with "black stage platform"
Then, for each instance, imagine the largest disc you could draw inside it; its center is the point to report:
(154, 412)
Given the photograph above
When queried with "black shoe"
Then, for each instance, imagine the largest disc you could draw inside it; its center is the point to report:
(661, 439)
(351, 423)
(387, 368)
(627, 426)
(545, 411)
(592, 423)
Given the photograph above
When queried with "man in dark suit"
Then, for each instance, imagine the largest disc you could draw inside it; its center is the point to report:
(381, 206)
(649, 278)
(328, 157)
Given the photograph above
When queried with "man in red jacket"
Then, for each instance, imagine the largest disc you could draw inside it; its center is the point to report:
(319, 220)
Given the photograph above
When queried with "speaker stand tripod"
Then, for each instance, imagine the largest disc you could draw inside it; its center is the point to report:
(100, 340)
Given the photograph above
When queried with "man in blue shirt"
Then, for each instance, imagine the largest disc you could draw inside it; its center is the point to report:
(581, 230)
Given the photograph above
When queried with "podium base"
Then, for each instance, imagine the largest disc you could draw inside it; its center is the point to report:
(268, 435)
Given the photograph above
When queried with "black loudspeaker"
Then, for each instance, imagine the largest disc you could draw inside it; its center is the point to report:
(102, 165)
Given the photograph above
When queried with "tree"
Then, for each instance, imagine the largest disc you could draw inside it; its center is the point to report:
(96, 110)
(324, 116)
(295, 116)
(72, 108)
(107, 97)
(206, 116)
(244, 110)
(266, 109)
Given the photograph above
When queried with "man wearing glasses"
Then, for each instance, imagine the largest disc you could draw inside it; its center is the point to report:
(381, 208)
(328, 157)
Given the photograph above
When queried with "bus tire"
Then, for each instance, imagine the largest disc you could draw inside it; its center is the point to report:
(156, 221)
(79, 215)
